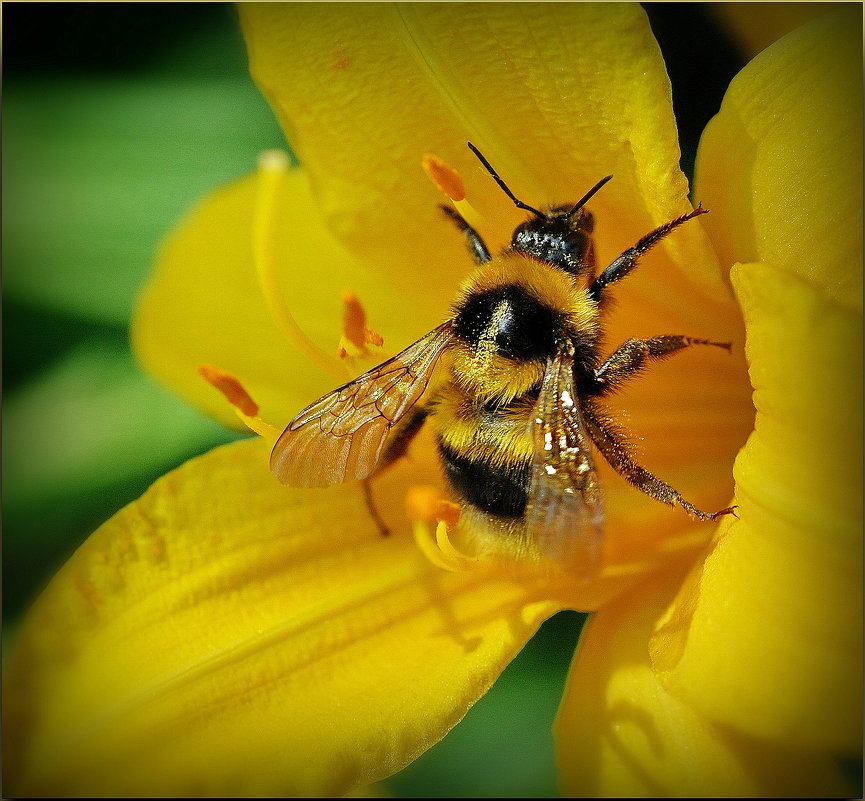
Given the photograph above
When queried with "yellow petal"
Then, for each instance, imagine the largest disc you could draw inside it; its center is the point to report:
(767, 636)
(555, 95)
(780, 166)
(226, 636)
(621, 733)
(204, 305)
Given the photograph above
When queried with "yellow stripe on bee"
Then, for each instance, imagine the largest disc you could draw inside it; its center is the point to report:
(493, 378)
(500, 438)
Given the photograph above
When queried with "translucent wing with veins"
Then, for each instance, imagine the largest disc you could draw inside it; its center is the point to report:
(340, 437)
(565, 510)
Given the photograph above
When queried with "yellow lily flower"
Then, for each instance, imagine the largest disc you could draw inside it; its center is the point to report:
(226, 635)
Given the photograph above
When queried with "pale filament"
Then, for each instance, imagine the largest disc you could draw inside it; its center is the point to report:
(426, 508)
(439, 549)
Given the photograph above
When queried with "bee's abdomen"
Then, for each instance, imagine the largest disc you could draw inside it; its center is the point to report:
(497, 489)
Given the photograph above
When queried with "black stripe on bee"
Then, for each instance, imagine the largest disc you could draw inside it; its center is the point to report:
(499, 490)
(517, 324)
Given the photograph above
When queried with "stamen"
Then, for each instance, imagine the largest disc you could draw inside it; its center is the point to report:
(439, 550)
(448, 512)
(230, 387)
(424, 504)
(448, 181)
(445, 177)
(446, 546)
(426, 543)
(353, 319)
(355, 333)
(372, 337)
(272, 165)
(421, 502)
(244, 406)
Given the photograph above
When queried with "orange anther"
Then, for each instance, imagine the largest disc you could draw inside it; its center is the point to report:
(445, 177)
(425, 502)
(231, 387)
(421, 502)
(356, 335)
(448, 512)
(353, 319)
(372, 337)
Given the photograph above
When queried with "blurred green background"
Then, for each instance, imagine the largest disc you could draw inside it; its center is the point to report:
(117, 117)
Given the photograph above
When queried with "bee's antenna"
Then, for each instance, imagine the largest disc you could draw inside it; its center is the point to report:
(519, 203)
(588, 195)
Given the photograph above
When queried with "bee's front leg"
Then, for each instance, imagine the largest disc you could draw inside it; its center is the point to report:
(628, 260)
(631, 357)
(480, 252)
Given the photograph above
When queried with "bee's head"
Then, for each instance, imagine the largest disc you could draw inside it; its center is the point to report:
(561, 236)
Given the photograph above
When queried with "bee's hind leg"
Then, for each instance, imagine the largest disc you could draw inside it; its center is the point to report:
(402, 436)
(611, 442)
(397, 447)
(371, 508)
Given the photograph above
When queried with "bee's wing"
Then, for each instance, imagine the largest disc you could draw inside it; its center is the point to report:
(565, 509)
(340, 437)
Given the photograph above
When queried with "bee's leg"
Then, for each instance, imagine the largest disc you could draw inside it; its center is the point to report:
(480, 252)
(628, 260)
(396, 448)
(372, 509)
(629, 358)
(611, 442)
(402, 436)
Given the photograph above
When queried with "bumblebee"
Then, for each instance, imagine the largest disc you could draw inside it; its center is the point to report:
(519, 405)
